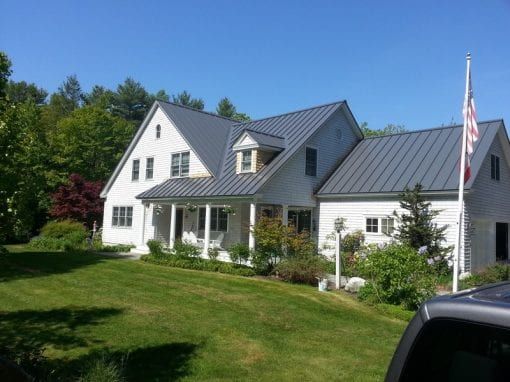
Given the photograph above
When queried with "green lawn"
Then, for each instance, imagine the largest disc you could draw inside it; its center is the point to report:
(189, 325)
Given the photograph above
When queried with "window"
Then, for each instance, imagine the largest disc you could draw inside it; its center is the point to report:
(149, 168)
(372, 225)
(455, 350)
(135, 172)
(246, 161)
(494, 167)
(158, 131)
(301, 220)
(387, 225)
(219, 219)
(122, 217)
(311, 162)
(180, 164)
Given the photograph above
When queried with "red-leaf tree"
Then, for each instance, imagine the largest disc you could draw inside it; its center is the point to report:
(79, 200)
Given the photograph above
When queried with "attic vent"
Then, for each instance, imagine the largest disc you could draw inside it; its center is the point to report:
(338, 134)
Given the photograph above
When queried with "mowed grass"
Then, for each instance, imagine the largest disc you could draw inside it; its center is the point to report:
(177, 324)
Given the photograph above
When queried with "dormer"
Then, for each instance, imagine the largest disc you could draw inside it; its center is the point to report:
(255, 149)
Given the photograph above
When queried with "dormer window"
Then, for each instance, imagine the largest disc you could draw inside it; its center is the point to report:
(246, 161)
(256, 149)
(158, 131)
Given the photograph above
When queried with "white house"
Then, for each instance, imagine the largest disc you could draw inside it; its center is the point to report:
(364, 189)
(195, 176)
(184, 166)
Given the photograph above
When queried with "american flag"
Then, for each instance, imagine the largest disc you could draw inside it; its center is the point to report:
(472, 134)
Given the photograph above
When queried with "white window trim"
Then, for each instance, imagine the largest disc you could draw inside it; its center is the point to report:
(212, 206)
(139, 168)
(180, 164)
(153, 161)
(316, 161)
(379, 224)
(123, 226)
(251, 161)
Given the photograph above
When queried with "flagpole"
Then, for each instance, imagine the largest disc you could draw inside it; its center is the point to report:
(458, 244)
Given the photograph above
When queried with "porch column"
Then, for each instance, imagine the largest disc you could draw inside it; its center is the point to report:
(285, 215)
(253, 212)
(142, 233)
(172, 226)
(207, 231)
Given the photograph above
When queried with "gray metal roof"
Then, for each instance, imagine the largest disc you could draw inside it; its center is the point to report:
(390, 163)
(264, 139)
(296, 128)
(205, 132)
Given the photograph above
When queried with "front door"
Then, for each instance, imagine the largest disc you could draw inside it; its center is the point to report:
(179, 223)
(501, 241)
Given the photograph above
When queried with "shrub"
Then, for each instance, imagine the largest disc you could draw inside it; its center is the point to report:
(200, 265)
(186, 249)
(213, 253)
(155, 247)
(239, 253)
(46, 243)
(352, 242)
(396, 274)
(492, 274)
(63, 228)
(113, 248)
(103, 369)
(302, 269)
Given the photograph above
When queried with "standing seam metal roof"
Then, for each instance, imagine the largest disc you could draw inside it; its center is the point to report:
(295, 128)
(391, 163)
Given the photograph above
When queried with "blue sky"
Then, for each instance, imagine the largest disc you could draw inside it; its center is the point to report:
(396, 62)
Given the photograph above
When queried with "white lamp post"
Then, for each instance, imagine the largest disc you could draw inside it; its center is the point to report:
(339, 225)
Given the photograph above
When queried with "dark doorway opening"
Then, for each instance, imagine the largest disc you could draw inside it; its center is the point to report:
(179, 223)
(501, 241)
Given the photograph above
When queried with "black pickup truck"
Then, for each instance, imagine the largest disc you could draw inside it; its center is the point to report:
(463, 337)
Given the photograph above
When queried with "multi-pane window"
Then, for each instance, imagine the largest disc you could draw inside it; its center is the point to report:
(219, 219)
(372, 225)
(246, 161)
(311, 161)
(158, 131)
(180, 164)
(149, 168)
(122, 217)
(135, 171)
(495, 167)
(387, 225)
(301, 220)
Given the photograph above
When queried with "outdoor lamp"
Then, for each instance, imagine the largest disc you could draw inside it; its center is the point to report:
(338, 225)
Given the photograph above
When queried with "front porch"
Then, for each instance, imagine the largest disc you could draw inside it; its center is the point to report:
(210, 224)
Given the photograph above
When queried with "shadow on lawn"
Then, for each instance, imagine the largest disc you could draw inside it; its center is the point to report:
(18, 265)
(168, 362)
(25, 334)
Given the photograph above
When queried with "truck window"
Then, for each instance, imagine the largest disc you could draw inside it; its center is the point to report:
(451, 350)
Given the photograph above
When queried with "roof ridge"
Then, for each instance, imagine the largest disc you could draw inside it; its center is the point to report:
(197, 110)
(429, 129)
(290, 112)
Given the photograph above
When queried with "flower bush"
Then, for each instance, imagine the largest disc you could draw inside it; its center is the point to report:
(396, 274)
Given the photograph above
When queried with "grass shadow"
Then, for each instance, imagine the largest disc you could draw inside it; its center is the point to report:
(16, 265)
(168, 362)
(25, 334)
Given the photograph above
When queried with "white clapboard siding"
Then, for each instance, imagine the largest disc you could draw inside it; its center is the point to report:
(124, 190)
(356, 210)
(290, 185)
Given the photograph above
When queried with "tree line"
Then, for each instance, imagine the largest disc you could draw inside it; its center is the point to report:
(45, 138)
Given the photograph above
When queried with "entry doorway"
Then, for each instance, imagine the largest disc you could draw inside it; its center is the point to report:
(501, 241)
(179, 216)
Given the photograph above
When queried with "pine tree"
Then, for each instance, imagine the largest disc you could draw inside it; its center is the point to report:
(417, 229)
(226, 108)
